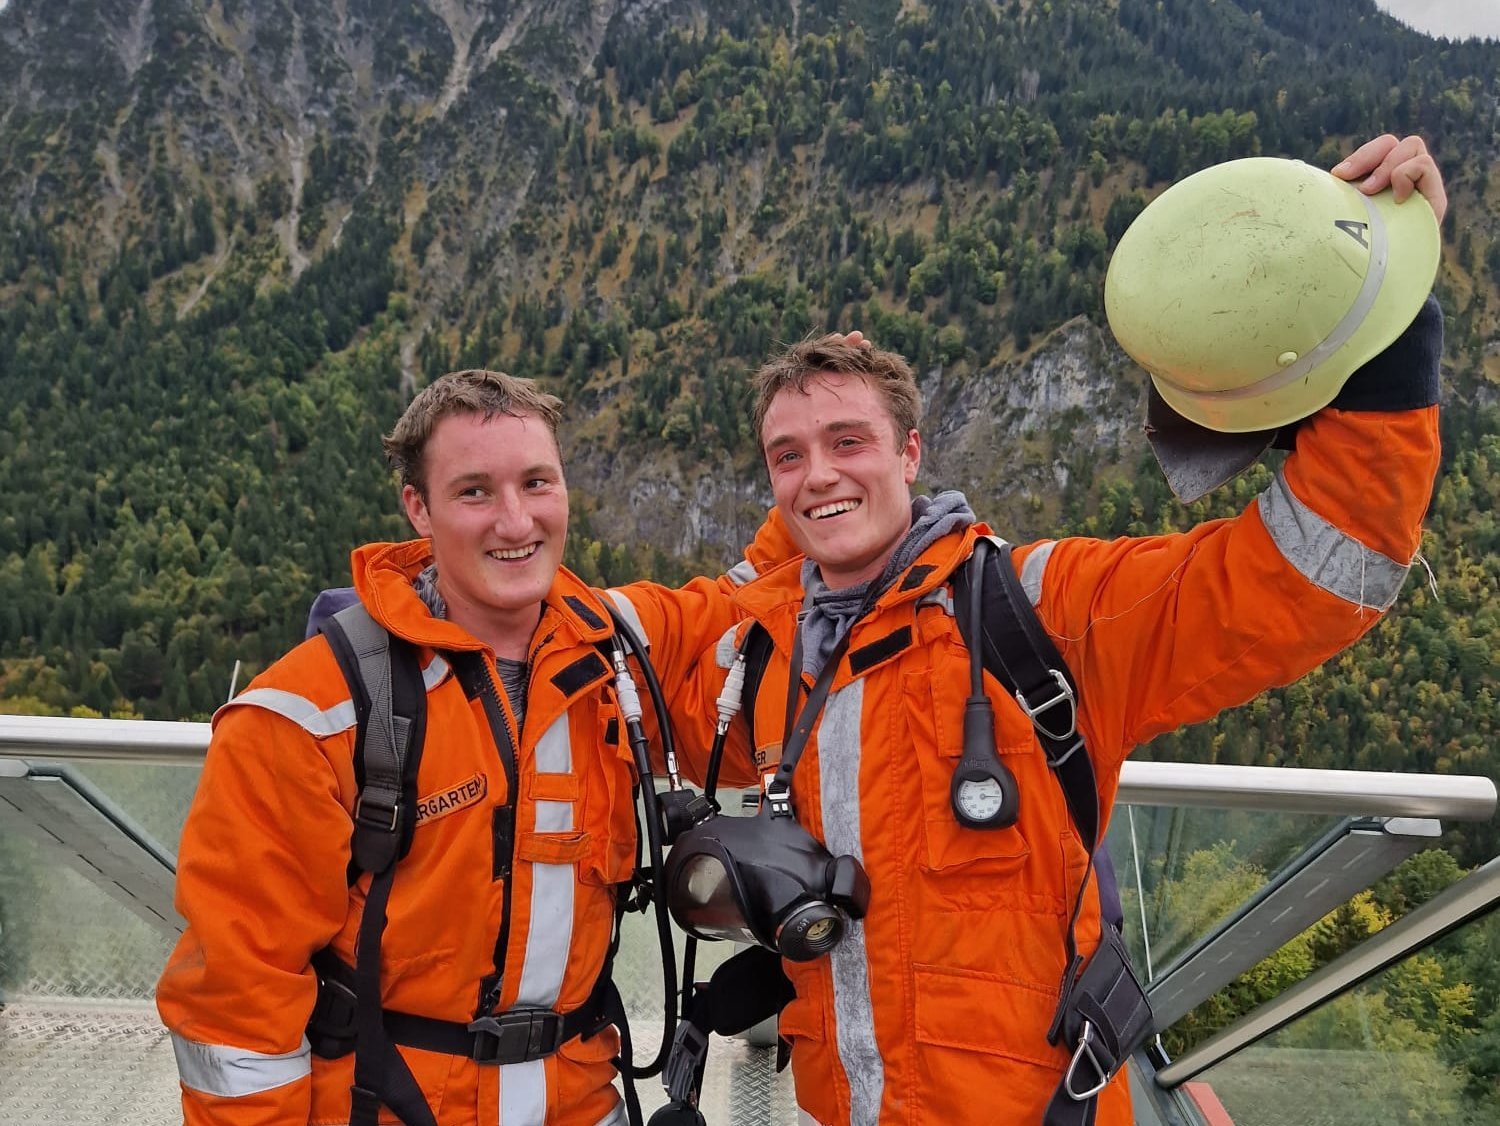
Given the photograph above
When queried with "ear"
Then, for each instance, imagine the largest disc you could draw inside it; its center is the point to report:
(911, 456)
(416, 510)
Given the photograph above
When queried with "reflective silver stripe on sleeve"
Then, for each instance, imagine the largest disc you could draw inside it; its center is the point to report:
(329, 721)
(1326, 556)
(616, 1117)
(939, 596)
(300, 710)
(628, 611)
(839, 742)
(232, 1073)
(435, 672)
(726, 648)
(741, 573)
(1035, 569)
(523, 1086)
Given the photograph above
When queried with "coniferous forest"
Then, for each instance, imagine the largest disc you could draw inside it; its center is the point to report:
(239, 234)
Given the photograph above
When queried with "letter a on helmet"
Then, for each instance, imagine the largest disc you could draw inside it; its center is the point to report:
(1252, 290)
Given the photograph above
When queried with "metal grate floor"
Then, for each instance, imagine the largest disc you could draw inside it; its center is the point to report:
(81, 1063)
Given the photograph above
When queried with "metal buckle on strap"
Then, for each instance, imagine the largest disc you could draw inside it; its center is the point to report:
(1085, 1050)
(1064, 696)
(379, 819)
(516, 1036)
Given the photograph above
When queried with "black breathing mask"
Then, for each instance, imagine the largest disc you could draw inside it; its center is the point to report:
(764, 880)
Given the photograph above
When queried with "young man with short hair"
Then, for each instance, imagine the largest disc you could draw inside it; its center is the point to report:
(524, 816)
(935, 1007)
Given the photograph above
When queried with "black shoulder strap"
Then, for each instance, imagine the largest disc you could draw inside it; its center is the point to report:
(390, 707)
(757, 651)
(390, 698)
(1018, 653)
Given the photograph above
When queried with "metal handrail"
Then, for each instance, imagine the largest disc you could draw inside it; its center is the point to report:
(1286, 789)
(1475, 895)
(147, 742)
(1275, 789)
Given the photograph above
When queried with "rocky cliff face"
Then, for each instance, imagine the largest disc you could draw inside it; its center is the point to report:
(1008, 436)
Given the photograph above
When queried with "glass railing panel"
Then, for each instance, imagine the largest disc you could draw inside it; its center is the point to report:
(1417, 1043)
(1184, 870)
(62, 937)
(155, 797)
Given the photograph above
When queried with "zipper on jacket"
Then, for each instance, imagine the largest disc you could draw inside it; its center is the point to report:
(503, 828)
(503, 832)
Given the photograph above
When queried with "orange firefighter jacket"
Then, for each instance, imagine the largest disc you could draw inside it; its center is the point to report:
(934, 1010)
(262, 876)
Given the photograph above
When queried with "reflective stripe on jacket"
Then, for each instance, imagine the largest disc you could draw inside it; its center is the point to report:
(934, 1009)
(262, 875)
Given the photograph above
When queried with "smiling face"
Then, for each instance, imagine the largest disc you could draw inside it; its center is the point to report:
(496, 511)
(841, 474)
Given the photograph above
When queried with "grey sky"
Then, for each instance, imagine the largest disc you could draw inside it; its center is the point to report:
(1457, 19)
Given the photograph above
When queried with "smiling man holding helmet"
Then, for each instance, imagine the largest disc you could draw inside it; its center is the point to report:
(936, 1006)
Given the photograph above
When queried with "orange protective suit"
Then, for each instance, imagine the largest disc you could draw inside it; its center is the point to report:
(262, 878)
(934, 1009)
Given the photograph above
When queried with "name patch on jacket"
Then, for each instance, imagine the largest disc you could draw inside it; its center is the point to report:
(451, 800)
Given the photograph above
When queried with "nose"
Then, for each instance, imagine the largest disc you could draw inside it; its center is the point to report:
(821, 472)
(511, 520)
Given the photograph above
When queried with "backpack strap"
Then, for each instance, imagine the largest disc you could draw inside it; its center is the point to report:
(385, 683)
(1102, 1010)
(390, 700)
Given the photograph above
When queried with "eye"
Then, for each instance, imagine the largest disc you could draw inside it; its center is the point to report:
(846, 442)
(785, 457)
(535, 483)
(471, 492)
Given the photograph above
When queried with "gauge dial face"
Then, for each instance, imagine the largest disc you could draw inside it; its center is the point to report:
(980, 799)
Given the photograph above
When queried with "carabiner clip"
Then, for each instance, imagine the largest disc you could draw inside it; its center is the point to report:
(1085, 1048)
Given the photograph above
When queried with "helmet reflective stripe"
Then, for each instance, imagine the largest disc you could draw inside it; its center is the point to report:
(523, 1086)
(231, 1073)
(1364, 301)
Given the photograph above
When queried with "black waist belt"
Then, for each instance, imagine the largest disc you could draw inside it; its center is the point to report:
(517, 1035)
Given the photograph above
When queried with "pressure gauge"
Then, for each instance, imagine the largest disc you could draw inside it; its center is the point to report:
(984, 795)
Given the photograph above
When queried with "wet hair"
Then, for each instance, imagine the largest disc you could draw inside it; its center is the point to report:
(889, 374)
(473, 391)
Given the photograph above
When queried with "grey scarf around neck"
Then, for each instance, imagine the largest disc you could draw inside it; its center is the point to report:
(828, 614)
(426, 587)
(512, 673)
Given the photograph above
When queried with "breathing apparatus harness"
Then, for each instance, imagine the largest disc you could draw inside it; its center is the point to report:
(765, 880)
(386, 686)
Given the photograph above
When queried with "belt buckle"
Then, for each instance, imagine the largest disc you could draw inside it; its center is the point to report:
(516, 1036)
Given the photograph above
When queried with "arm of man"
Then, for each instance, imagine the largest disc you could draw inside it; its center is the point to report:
(1167, 630)
(261, 883)
(681, 625)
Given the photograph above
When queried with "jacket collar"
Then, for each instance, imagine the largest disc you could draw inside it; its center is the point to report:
(383, 574)
(779, 591)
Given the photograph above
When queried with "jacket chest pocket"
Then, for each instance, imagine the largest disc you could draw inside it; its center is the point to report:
(933, 705)
(607, 781)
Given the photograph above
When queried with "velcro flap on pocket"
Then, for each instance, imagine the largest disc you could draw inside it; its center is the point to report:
(986, 1012)
(553, 787)
(552, 848)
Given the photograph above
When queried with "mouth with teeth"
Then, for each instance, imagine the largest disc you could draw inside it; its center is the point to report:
(511, 554)
(837, 508)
